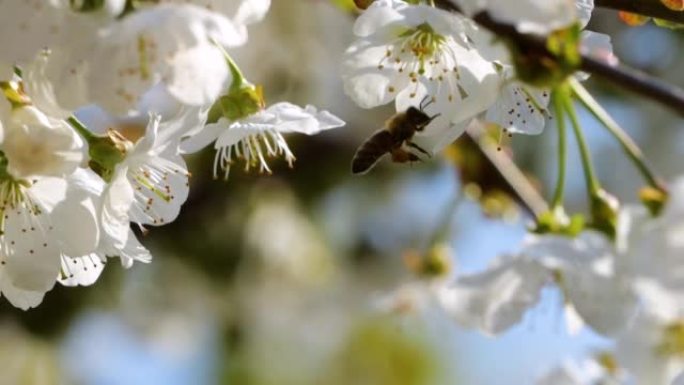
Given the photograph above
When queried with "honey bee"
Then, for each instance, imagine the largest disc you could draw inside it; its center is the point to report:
(398, 130)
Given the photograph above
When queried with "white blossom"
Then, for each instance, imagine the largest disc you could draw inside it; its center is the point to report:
(38, 145)
(533, 16)
(169, 44)
(151, 182)
(652, 350)
(241, 12)
(42, 223)
(581, 268)
(407, 52)
(259, 136)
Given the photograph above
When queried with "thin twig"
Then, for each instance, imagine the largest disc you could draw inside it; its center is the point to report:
(652, 8)
(622, 76)
(532, 201)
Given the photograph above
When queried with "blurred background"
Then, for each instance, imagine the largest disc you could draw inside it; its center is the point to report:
(315, 276)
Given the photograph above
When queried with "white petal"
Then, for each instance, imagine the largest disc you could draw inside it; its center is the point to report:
(325, 119)
(40, 89)
(364, 82)
(604, 303)
(584, 10)
(134, 251)
(30, 252)
(204, 137)
(380, 14)
(292, 118)
(434, 140)
(118, 198)
(238, 131)
(251, 11)
(169, 177)
(598, 46)
(496, 299)
(197, 82)
(37, 145)
(77, 222)
(81, 271)
(520, 109)
(23, 299)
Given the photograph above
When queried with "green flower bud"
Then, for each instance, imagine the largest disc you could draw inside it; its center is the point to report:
(654, 199)
(556, 221)
(106, 152)
(604, 212)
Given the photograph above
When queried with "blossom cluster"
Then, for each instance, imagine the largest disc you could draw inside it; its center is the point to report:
(159, 76)
(624, 284)
(161, 80)
(405, 53)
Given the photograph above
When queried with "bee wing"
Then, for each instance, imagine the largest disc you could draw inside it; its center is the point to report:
(380, 143)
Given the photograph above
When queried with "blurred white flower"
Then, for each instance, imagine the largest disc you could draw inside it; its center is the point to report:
(407, 52)
(39, 145)
(176, 45)
(38, 22)
(581, 268)
(260, 135)
(653, 247)
(533, 16)
(652, 349)
(241, 12)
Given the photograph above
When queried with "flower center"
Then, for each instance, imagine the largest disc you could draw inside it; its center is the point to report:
(672, 342)
(423, 42)
(421, 52)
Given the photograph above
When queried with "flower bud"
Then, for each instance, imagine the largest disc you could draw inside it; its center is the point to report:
(653, 198)
(604, 212)
(435, 263)
(106, 152)
(556, 221)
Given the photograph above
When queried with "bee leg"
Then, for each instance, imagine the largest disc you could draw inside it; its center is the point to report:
(417, 147)
(400, 155)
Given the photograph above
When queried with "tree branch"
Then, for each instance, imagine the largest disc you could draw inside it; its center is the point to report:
(652, 8)
(530, 199)
(631, 79)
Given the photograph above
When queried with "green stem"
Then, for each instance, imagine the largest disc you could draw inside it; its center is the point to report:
(81, 129)
(628, 146)
(562, 150)
(238, 77)
(593, 186)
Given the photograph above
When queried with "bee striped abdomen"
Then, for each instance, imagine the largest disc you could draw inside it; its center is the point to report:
(371, 150)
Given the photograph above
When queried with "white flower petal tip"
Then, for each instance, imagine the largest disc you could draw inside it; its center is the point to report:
(599, 47)
(520, 109)
(495, 300)
(81, 271)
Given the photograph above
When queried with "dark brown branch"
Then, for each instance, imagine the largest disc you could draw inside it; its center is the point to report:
(621, 76)
(638, 82)
(653, 8)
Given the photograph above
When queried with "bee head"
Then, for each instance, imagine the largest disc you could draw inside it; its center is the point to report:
(418, 117)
